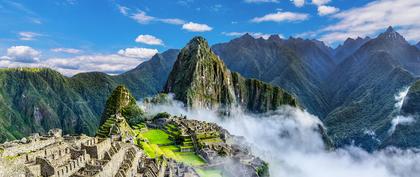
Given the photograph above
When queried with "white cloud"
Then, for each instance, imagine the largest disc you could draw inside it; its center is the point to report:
(124, 10)
(196, 27)
(22, 54)
(260, 1)
(67, 50)
(281, 16)
(142, 18)
(28, 36)
(173, 21)
(124, 60)
(299, 3)
(373, 18)
(253, 34)
(320, 2)
(143, 53)
(326, 10)
(149, 39)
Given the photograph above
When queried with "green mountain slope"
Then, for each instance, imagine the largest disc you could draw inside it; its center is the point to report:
(36, 100)
(408, 135)
(120, 108)
(296, 65)
(201, 80)
(363, 87)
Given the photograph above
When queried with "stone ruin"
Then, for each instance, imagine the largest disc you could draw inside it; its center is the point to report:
(54, 155)
(216, 146)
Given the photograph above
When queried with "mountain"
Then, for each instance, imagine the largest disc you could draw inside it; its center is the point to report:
(411, 104)
(418, 45)
(200, 79)
(349, 46)
(36, 100)
(120, 109)
(284, 63)
(363, 87)
(39, 99)
(149, 77)
(408, 134)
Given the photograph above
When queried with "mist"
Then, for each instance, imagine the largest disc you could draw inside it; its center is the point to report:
(289, 141)
(400, 119)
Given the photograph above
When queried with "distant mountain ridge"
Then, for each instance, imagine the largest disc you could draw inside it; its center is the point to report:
(274, 62)
(348, 48)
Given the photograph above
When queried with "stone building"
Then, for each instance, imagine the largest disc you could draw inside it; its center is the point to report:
(54, 155)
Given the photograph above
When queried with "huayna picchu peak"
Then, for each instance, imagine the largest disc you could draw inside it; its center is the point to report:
(200, 79)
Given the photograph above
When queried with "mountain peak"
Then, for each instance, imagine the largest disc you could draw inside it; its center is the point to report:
(391, 34)
(200, 79)
(390, 29)
(198, 41)
(120, 110)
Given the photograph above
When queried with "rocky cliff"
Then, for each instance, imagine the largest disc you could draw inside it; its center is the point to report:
(200, 79)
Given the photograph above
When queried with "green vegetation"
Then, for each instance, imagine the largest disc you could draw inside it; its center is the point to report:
(156, 142)
(209, 172)
(190, 158)
(156, 136)
(162, 115)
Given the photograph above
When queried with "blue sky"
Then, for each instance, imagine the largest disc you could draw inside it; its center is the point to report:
(114, 35)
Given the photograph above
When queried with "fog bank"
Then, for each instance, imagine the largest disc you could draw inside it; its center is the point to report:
(288, 140)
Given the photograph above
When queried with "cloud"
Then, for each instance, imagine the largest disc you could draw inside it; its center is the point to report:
(149, 39)
(111, 64)
(299, 3)
(142, 18)
(28, 36)
(123, 10)
(173, 21)
(280, 17)
(326, 10)
(24, 54)
(289, 141)
(400, 120)
(142, 53)
(124, 60)
(253, 34)
(320, 2)
(196, 27)
(261, 1)
(185, 2)
(373, 18)
(67, 50)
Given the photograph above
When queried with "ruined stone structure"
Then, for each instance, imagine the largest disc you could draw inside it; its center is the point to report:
(54, 155)
(214, 144)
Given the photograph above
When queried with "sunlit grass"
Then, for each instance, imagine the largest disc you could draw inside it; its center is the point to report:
(190, 158)
(209, 172)
(155, 136)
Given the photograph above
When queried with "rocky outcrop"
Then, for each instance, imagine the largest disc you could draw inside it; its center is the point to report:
(200, 79)
(120, 110)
